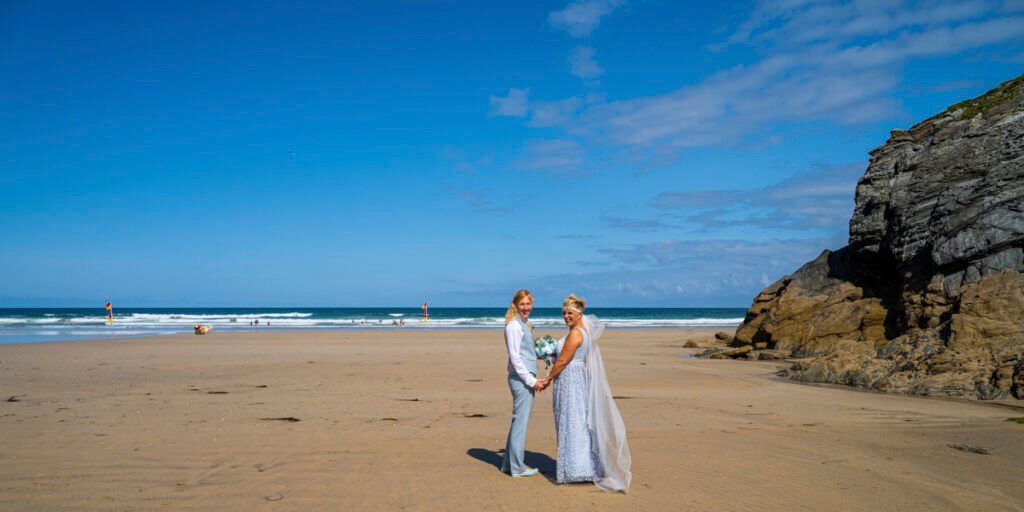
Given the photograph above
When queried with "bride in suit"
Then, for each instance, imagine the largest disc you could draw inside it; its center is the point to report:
(522, 381)
(591, 435)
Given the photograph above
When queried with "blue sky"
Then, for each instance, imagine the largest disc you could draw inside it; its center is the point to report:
(637, 153)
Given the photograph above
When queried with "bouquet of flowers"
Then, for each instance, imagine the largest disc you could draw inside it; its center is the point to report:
(547, 349)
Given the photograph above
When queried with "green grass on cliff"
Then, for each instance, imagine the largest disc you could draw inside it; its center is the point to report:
(992, 99)
(1016, 420)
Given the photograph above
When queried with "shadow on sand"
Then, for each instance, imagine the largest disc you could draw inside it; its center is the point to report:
(541, 461)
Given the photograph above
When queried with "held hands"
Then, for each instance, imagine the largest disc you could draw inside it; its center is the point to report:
(541, 384)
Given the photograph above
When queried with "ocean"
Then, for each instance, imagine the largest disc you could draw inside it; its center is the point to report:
(32, 325)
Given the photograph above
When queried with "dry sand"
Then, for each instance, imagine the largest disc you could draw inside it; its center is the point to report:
(405, 420)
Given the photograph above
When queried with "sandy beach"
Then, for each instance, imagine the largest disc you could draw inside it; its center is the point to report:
(414, 420)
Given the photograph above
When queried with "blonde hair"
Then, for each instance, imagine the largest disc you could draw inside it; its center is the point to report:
(512, 311)
(575, 303)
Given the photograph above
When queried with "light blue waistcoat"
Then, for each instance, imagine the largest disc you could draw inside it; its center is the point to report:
(526, 350)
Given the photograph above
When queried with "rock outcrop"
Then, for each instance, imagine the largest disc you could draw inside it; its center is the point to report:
(928, 297)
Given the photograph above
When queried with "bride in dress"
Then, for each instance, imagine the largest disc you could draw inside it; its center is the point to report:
(591, 435)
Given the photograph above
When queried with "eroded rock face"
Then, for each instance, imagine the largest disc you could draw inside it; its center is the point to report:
(928, 296)
(817, 306)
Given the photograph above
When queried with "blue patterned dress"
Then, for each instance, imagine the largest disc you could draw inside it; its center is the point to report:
(577, 460)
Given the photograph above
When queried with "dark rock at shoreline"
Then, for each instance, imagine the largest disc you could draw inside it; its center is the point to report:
(928, 297)
(726, 353)
(702, 344)
(771, 355)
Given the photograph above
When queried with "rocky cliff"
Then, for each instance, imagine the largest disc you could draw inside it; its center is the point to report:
(928, 297)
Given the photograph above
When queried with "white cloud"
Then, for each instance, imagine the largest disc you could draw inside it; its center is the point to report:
(935, 42)
(694, 272)
(480, 203)
(582, 63)
(633, 224)
(559, 155)
(681, 273)
(552, 113)
(820, 199)
(801, 22)
(515, 104)
(696, 199)
(838, 62)
(581, 17)
(741, 100)
(745, 255)
(844, 76)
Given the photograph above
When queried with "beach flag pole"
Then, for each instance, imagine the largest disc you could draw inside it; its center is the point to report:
(424, 312)
(110, 314)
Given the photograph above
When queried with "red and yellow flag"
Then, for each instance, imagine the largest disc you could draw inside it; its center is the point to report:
(424, 311)
(110, 315)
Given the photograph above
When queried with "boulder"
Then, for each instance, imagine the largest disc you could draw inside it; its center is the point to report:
(701, 344)
(772, 355)
(726, 353)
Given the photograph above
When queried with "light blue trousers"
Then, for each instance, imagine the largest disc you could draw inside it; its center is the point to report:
(515, 446)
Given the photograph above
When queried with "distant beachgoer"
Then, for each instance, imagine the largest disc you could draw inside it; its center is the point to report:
(257, 322)
(203, 329)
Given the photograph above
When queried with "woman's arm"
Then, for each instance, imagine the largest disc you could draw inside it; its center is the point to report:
(572, 344)
(513, 337)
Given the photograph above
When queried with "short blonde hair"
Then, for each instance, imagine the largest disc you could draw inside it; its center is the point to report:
(575, 303)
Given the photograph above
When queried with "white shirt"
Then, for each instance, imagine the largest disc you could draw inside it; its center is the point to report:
(514, 331)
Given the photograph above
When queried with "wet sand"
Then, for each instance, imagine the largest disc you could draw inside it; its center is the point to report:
(414, 420)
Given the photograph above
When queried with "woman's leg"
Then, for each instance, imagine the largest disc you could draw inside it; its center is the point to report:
(515, 445)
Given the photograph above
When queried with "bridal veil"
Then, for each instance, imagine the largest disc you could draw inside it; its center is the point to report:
(604, 419)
